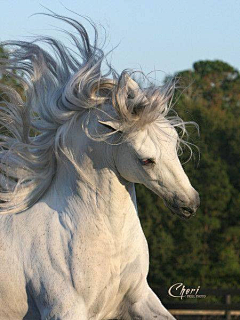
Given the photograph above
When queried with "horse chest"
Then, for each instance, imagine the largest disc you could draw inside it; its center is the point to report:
(105, 266)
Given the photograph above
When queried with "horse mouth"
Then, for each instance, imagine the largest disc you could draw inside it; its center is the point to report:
(187, 213)
(184, 213)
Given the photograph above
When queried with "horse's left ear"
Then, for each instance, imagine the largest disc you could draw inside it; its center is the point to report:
(111, 124)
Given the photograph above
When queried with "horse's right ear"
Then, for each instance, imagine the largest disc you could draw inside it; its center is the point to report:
(111, 124)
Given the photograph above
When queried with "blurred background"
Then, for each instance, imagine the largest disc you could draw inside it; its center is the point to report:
(199, 41)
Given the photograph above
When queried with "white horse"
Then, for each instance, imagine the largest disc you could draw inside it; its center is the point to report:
(71, 243)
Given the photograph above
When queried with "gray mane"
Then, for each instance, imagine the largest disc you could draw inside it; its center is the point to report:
(59, 87)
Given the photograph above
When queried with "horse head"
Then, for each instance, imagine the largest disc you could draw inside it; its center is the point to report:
(148, 151)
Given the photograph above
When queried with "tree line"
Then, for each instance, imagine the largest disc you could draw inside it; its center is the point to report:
(204, 250)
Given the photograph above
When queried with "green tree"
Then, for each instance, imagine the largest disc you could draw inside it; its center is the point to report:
(205, 249)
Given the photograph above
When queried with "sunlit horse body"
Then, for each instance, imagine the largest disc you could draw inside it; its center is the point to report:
(71, 244)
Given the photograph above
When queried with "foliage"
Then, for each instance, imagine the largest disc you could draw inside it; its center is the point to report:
(7, 79)
(204, 250)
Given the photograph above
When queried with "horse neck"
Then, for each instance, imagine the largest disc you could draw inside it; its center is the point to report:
(94, 188)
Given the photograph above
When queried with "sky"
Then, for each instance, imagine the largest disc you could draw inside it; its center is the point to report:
(164, 35)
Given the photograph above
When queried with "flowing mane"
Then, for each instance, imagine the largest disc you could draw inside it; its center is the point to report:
(59, 87)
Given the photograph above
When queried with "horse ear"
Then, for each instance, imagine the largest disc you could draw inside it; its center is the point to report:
(132, 84)
(111, 124)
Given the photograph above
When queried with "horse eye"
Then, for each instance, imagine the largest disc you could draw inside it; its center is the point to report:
(146, 162)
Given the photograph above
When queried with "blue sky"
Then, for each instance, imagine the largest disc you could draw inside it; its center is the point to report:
(167, 35)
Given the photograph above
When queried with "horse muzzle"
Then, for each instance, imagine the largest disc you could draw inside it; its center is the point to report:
(184, 210)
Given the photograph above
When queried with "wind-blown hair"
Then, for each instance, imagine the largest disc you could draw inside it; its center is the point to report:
(59, 87)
